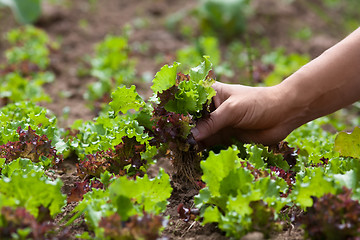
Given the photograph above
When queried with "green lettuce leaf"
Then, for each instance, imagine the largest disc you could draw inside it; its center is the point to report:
(150, 194)
(165, 78)
(124, 99)
(348, 144)
(32, 191)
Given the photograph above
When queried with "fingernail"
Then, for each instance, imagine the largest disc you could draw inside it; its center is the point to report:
(195, 132)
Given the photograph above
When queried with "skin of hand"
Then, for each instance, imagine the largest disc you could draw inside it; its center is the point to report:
(267, 115)
(248, 114)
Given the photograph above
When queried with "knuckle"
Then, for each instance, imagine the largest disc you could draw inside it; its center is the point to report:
(210, 125)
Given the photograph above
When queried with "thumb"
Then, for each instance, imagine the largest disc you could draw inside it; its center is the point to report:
(205, 128)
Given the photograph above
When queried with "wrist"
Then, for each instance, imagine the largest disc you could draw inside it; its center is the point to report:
(294, 99)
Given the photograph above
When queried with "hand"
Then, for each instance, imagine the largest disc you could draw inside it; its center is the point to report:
(268, 114)
(248, 114)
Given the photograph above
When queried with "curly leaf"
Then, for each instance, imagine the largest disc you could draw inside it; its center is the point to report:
(125, 99)
(165, 78)
(150, 194)
(32, 191)
(200, 72)
(217, 167)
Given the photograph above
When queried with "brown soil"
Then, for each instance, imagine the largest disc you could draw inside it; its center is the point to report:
(79, 25)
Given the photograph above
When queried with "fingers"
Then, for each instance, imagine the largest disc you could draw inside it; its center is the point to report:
(221, 94)
(228, 136)
(207, 127)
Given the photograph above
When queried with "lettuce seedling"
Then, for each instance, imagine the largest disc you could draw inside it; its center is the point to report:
(181, 100)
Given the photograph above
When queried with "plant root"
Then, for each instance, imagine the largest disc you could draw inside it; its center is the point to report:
(187, 166)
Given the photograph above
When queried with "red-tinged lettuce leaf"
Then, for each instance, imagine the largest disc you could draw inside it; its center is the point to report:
(348, 144)
(81, 188)
(172, 129)
(124, 99)
(146, 227)
(26, 114)
(31, 146)
(187, 213)
(17, 220)
(288, 176)
(333, 217)
(124, 159)
(165, 78)
(282, 156)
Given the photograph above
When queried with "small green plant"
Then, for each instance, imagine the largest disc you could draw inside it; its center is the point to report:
(24, 115)
(15, 88)
(122, 203)
(284, 65)
(204, 46)
(238, 191)
(29, 44)
(40, 190)
(223, 18)
(111, 66)
(24, 73)
(181, 99)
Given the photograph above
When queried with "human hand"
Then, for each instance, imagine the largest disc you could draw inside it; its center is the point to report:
(248, 114)
(268, 114)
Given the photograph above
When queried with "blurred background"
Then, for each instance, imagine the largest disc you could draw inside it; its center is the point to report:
(82, 50)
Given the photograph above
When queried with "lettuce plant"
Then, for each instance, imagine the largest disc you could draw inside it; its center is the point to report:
(181, 100)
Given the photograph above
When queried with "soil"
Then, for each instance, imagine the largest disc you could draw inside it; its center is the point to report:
(80, 24)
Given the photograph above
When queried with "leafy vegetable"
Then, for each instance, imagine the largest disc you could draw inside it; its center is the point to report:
(348, 145)
(313, 182)
(150, 195)
(24, 73)
(25, 114)
(20, 224)
(39, 191)
(29, 44)
(124, 159)
(21, 166)
(235, 194)
(333, 217)
(30, 146)
(122, 201)
(104, 133)
(125, 99)
(112, 66)
(225, 19)
(186, 98)
(165, 78)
